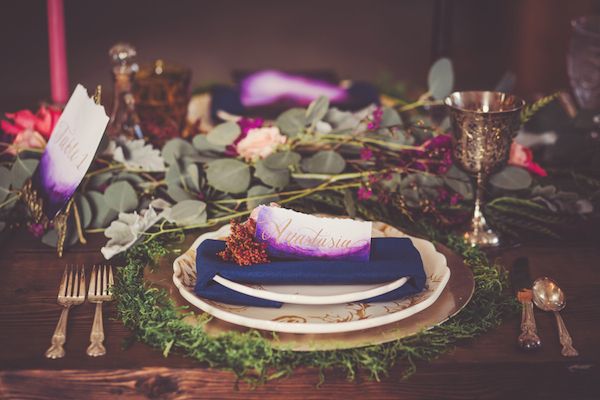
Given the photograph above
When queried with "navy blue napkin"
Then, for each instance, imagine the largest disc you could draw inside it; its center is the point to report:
(391, 259)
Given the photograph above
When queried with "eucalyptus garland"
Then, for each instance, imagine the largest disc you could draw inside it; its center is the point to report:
(157, 321)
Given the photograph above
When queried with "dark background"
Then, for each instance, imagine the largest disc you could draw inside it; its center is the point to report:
(359, 39)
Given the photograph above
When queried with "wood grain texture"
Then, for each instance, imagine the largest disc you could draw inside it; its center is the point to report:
(489, 367)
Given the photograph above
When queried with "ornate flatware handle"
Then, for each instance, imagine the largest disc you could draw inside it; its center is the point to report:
(565, 338)
(96, 348)
(56, 349)
(528, 339)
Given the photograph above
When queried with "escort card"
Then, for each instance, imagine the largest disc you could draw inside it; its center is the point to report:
(70, 151)
(290, 234)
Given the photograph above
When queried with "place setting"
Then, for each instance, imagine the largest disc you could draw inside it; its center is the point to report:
(291, 220)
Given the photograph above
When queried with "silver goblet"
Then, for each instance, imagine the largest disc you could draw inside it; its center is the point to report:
(484, 125)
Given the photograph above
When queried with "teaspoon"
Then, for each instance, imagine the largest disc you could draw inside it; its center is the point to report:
(549, 297)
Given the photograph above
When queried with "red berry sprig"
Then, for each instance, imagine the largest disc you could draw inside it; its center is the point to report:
(242, 248)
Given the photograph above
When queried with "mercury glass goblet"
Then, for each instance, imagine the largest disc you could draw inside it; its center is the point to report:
(484, 125)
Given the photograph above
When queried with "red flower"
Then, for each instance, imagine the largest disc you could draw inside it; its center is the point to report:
(522, 156)
(42, 122)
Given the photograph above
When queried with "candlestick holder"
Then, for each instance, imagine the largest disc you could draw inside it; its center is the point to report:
(124, 119)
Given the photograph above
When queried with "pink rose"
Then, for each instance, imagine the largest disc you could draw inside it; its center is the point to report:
(26, 139)
(259, 143)
(43, 121)
(522, 156)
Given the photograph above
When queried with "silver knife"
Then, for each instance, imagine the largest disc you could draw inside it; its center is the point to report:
(521, 283)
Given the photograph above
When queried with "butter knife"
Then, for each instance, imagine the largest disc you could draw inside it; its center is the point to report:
(521, 283)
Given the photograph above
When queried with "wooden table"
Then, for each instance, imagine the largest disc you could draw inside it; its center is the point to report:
(488, 367)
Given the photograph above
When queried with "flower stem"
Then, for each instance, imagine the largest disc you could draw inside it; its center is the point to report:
(11, 200)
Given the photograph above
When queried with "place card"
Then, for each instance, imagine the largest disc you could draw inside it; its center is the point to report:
(290, 234)
(70, 151)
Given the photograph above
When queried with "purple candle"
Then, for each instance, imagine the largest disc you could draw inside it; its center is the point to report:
(59, 82)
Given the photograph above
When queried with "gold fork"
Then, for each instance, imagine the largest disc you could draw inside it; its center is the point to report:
(70, 293)
(101, 283)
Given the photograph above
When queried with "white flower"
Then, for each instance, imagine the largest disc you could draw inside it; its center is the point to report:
(138, 155)
(125, 231)
(259, 143)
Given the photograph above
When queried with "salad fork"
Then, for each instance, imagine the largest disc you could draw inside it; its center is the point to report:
(70, 293)
(101, 283)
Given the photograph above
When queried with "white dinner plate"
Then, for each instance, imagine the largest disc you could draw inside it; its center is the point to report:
(312, 294)
(302, 318)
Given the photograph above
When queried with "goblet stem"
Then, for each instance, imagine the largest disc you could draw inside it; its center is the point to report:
(477, 214)
(480, 234)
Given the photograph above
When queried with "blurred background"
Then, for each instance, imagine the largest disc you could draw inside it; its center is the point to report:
(358, 39)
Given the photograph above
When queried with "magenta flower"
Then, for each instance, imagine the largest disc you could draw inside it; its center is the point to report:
(364, 193)
(37, 230)
(366, 154)
(376, 119)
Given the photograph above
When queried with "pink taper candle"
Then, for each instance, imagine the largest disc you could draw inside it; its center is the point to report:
(59, 81)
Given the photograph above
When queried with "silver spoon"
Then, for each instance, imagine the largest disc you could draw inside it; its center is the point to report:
(549, 297)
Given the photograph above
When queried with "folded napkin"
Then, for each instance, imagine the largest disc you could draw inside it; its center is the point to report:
(391, 259)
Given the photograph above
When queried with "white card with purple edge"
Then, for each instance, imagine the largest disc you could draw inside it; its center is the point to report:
(70, 151)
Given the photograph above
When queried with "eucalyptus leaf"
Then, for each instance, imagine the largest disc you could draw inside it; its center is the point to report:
(292, 122)
(5, 180)
(440, 80)
(324, 162)
(103, 215)
(277, 178)
(99, 180)
(50, 238)
(188, 212)
(192, 177)
(201, 143)
(349, 203)
(133, 179)
(282, 159)
(428, 180)
(22, 170)
(511, 178)
(390, 117)
(459, 181)
(260, 190)
(121, 197)
(84, 209)
(410, 196)
(224, 134)
(176, 149)
(392, 183)
(341, 120)
(307, 183)
(173, 174)
(317, 110)
(228, 175)
(177, 193)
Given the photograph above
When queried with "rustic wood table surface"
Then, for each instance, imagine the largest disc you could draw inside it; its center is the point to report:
(490, 366)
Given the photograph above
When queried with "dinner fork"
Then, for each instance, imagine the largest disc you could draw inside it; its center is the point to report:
(101, 283)
(70, 293)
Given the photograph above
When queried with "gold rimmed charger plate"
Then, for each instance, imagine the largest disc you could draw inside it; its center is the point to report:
(454, 297)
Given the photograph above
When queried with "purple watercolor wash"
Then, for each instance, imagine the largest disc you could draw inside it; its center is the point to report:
(269, 86)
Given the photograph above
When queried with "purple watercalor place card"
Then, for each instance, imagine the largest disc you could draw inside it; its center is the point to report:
(290, 234)
(269, 86)
(70, 151)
